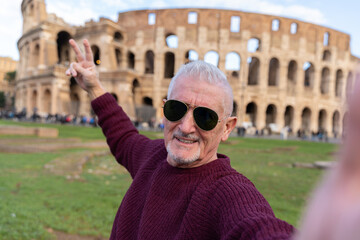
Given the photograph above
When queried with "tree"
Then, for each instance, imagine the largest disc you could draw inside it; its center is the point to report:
(10, 76)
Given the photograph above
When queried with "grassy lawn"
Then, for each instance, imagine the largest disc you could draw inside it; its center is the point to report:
(34, 201)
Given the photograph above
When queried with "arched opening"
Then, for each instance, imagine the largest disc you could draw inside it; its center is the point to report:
(339, 83)
(309, 74)
(254, 70)
(191, 55)
(293, 28)
(146, 112)
(336, 124)
(345, 123)
(115, 97)
(275, 25)
(131, 60)
(326, 56)
(251, 113)
(192, 17)
(289, 116)
(96, 52)
(149, 62)
(235, 24)
(270, 115)
(34, 101)
(47, 101)
(322, 121)
(326, 39)
(74, 97)
(254, 45)
(235, 109)
(63, 47)
(306, 119)
(36, 55)
(232, 61)
(292, 72)
(169, 65)
(349, 84)
(118, 37)
(172, 40)
(136, 93)
(118, 57)
(325, 81)
(273, 77)
(212, 57)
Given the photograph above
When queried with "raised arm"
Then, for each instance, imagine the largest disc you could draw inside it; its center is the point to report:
(84, 70)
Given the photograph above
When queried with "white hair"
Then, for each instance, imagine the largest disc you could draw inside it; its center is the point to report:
(202, 71)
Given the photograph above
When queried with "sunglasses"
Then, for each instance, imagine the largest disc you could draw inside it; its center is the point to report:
(205, 118)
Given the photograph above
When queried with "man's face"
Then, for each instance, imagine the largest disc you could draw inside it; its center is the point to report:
(188, 145)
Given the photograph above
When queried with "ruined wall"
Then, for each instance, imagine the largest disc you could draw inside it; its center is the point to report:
(278, 67)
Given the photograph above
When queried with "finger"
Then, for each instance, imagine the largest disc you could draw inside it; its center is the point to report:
(88, 52)
(76, 68)
(79, 55)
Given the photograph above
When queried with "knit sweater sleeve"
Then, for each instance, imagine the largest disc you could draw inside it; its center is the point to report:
(244, 213)
(125, 142)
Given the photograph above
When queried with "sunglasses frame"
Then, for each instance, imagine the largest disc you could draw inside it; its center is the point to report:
(188, 106)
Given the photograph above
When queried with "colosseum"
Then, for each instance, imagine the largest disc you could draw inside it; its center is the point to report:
(284, 72)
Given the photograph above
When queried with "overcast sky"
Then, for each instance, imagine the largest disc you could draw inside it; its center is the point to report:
(340, 15)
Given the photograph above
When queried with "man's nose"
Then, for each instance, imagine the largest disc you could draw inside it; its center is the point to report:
(187, 123)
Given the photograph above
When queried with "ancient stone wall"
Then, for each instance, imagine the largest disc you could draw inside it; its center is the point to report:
(284, 72)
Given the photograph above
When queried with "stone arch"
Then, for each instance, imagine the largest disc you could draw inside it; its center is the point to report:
(254, 71)
(293, 28)
(339, 83)
(275, 25)
(149, 61)
(74, 97)
(309, 74)
(254, 45)
(325, 80)
(36, 55)
(289, 116)
(232, 61)
(96, 52)
(169, 65)
(345, 123)
(336, 123)
(349, 84)
(63, 46)
(118, 56)
(172, 40)
(322, 120)
(235, 109)
(212, 57)
(292, 71)
(145, 112)
(115, 97)
(326, 56)
(135, 89)
(251, 113)
(191, 55)
(326, 40)
(271, 113)
(118, 37)
(131, 60)
(46, 101)
(306, 119)
(273, 77)
(34, 103)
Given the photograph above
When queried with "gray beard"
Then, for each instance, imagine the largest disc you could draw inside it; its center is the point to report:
(180, 161)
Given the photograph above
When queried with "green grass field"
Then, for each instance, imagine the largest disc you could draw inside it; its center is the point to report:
(35, 203)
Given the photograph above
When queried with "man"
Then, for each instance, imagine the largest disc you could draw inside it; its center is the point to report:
(182, 188)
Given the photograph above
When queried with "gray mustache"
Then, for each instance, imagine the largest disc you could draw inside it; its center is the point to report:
(192, 137)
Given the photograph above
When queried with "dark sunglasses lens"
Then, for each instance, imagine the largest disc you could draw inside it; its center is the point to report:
(205, 118)
(174, 110)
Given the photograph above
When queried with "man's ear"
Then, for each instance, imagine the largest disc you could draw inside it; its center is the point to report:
(229, 126)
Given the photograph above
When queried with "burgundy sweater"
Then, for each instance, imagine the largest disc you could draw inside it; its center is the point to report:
(212, 201)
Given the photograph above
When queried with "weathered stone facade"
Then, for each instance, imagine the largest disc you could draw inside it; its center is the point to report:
(298, 74)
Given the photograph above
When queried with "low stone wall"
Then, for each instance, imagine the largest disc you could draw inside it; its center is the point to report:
(37, 131)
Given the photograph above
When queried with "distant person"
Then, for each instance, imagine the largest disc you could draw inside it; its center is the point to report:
(182, 187)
